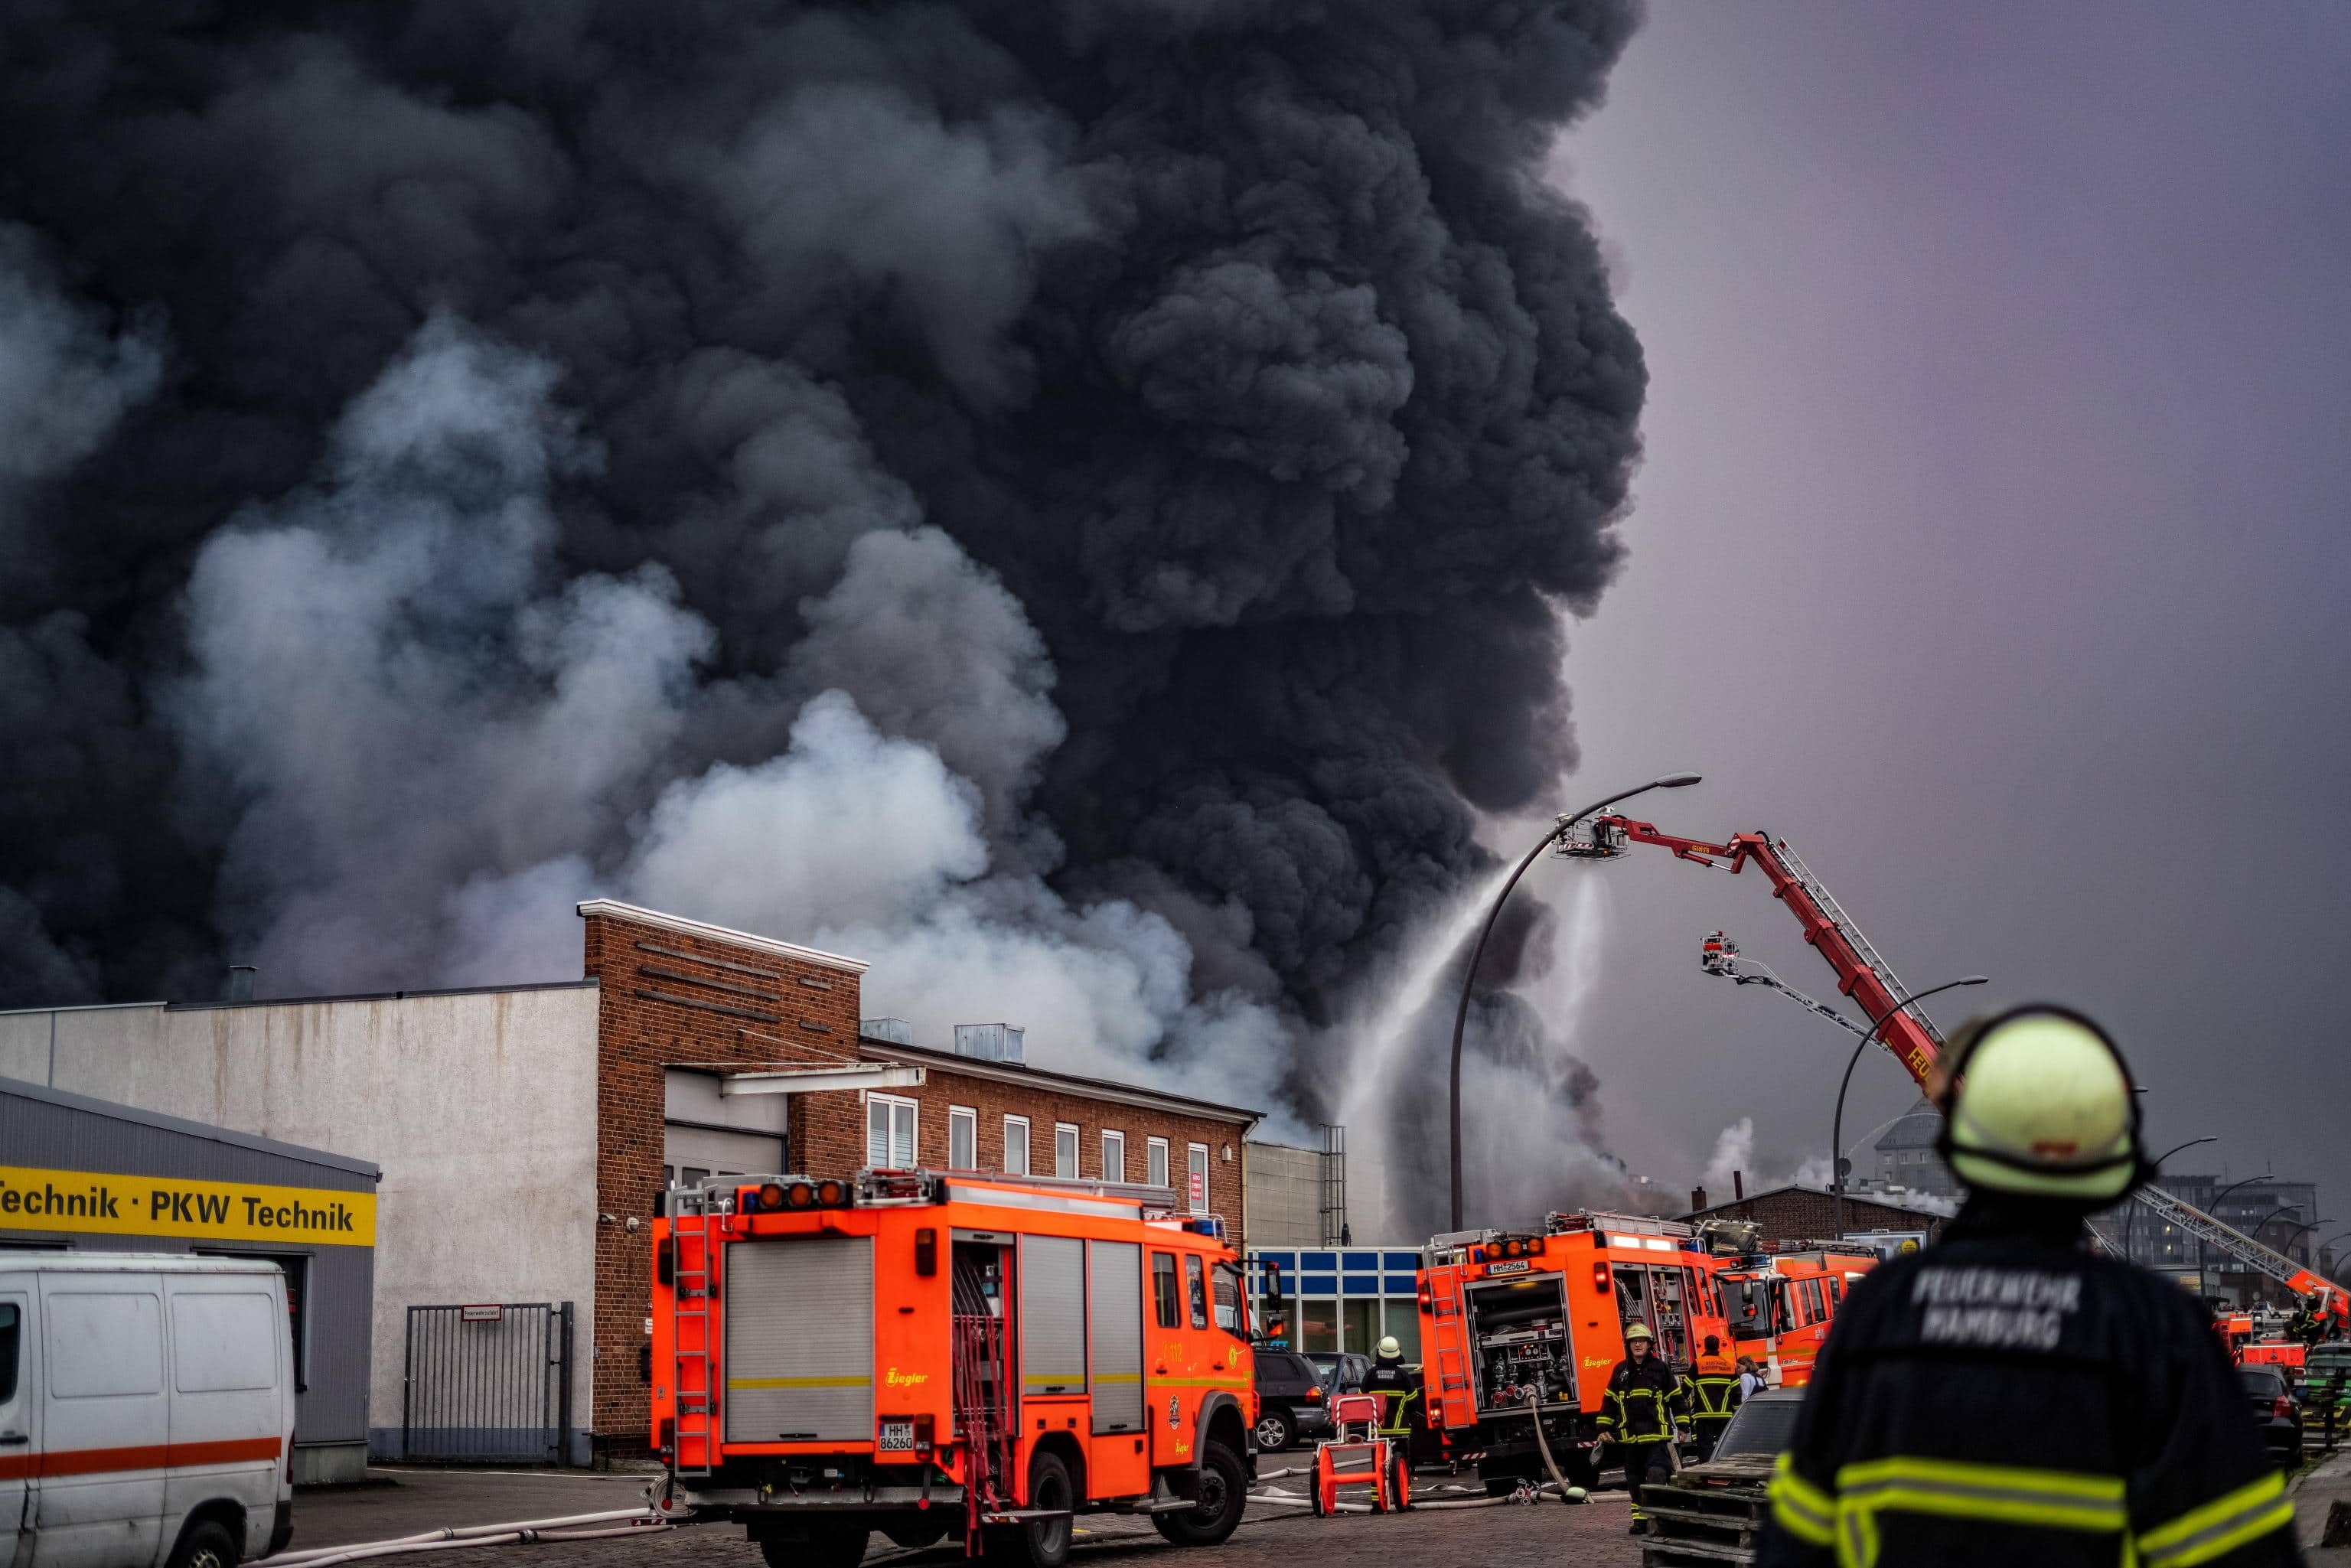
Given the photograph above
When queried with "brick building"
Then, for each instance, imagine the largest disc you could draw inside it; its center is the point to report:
(1791, 1214)
(526, 1134)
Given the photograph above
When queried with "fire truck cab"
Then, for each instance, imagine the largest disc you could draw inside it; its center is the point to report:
(1520, 1332)
(923, 1354)
(1782, 1303)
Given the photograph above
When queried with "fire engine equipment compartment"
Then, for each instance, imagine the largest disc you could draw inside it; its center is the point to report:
(1522, 1343)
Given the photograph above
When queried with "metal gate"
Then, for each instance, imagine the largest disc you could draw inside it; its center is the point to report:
(489, 1382)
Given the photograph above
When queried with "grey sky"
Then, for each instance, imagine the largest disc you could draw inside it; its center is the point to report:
(1988, 546)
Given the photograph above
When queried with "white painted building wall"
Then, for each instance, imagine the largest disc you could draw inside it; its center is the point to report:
(480, 1107)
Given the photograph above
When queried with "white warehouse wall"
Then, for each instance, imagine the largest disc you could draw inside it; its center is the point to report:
(480, 1107)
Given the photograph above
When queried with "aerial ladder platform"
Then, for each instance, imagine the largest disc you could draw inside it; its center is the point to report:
(1863, 975)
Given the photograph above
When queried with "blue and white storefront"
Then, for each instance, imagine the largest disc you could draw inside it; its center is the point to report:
(1343, 1299)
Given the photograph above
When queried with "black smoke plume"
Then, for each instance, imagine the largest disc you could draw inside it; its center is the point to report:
(1074, 499)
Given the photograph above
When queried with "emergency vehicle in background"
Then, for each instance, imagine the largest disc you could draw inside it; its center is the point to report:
(924, 1355)
(1516, 1330)
(1781, 1303)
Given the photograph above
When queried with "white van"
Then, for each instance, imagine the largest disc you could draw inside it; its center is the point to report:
(146, 1410)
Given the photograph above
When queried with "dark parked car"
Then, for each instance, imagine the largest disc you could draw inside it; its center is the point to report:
(1291, 1400)
(2277, 1410)
(1354, 1372)
(1764, 1424)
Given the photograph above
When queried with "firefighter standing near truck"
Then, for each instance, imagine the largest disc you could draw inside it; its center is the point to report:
(2008, 1395)
(1642, 1412)
(1715, 1396)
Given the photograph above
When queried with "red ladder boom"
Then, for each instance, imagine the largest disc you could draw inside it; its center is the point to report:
(1862, 973)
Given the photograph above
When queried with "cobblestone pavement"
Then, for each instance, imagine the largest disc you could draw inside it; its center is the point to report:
(1552, 1534)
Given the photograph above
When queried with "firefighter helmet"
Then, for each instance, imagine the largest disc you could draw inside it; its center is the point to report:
(2039, 1102)
(1389, 1349)
(1637, 1330)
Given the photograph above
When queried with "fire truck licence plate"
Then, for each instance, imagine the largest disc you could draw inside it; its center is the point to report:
(1516, 1267)
(897, 1435)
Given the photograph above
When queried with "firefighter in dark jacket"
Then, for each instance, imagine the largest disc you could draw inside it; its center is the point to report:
(1644, 1413)
(2009, 1396)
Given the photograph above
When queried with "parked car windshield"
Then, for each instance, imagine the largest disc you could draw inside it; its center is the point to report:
(1764, 1424)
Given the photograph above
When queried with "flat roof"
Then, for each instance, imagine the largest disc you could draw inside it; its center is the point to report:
(588, 983)
(1850, 1197)
(131, 1113)
(1020, 1073)
(613, 909)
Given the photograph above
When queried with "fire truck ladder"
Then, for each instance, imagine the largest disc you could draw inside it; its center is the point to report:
(2202, 1227)
(1820, 896)
(983, 1393)
(693, 1373)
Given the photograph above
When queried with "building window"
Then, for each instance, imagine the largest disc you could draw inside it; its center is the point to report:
(889, 1133)
(1113, 1156)
(1016, 1145)
(1155, 1162)
(1199, 1161)
(963, 1138)
(1065, 1151)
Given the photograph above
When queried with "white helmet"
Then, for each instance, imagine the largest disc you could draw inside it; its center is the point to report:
(1389, 1349)
(2038, 1102)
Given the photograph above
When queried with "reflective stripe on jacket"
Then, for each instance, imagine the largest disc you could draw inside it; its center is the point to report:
(1643, 1402)
(1715, 1389)
(2006, 1397)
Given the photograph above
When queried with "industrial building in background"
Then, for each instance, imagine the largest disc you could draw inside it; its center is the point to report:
(685, 1050)
(85, 1176)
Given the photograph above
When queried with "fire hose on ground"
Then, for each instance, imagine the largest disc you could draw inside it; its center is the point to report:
(573, 1527)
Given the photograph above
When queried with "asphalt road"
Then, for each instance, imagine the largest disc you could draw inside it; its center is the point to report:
(1552, 1534)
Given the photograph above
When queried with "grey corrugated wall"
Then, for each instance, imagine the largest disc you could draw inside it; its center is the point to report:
(45, 1129)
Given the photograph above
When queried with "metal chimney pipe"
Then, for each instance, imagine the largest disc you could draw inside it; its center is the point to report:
(240, 983)
(1698, 1198)
(1739, 1186)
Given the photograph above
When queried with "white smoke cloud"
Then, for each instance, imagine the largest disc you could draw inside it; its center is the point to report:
(424, 748)
(1734, 1150)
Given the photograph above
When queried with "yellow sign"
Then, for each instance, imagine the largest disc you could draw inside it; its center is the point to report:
(94, 1203)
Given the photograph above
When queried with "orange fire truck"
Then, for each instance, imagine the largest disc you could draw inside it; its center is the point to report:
(1518, 1330)
(1782, 1303)
(921, 1353)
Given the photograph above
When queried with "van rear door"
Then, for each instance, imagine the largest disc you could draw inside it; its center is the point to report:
(105, 1421)
(19, 1438)
(231, 1368)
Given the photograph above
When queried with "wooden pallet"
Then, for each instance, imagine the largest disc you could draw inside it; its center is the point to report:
(1709, 1514)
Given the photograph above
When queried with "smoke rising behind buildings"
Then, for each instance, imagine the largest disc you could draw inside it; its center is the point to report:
(1073, 503)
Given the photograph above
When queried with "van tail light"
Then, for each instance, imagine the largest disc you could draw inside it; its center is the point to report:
(927, 1251)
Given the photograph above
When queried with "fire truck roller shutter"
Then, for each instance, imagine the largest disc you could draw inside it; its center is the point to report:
(1115, 1282)
(1052, 1287)
(799, 1339)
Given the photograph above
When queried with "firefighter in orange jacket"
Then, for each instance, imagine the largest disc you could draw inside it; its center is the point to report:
(1715, 1396)
(1642, 1412)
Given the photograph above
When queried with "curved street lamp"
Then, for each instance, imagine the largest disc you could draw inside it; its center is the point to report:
(1836, 1127)
(2214, 1210)
(1469, 975)
(2189, 1144)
